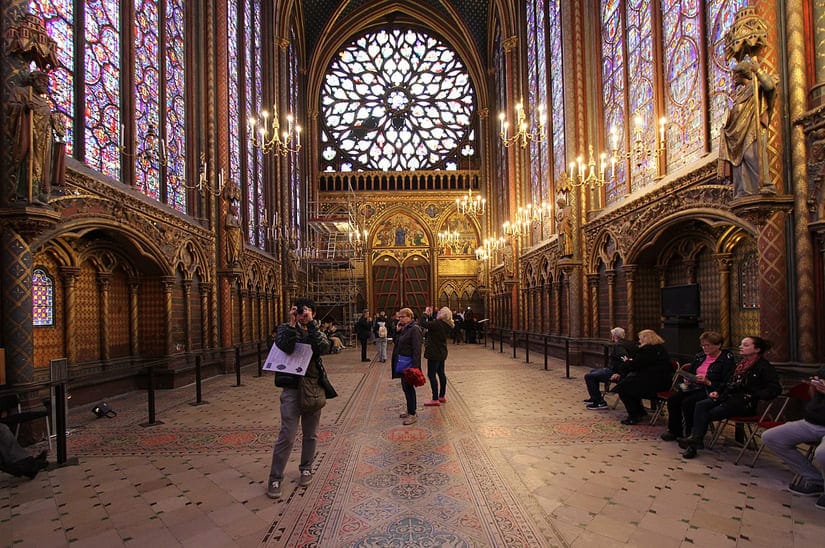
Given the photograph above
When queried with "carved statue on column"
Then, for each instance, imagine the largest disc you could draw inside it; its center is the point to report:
(564, 226)
(232, 225)
(743, 141)
(37, 152)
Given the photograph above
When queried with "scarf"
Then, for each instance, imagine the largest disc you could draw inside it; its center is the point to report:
(743, 366)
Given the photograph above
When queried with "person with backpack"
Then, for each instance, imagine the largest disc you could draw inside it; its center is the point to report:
(381, 331)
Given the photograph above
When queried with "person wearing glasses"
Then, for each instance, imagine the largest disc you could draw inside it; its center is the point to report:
(407, 349)
(712, 368)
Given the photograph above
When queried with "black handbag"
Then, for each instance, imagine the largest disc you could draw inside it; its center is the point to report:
(323, 382)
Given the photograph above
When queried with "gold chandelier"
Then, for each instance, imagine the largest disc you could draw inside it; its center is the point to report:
(269, 139)
(523, 134)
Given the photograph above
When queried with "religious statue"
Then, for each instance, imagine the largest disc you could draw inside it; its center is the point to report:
(509, 261)
(743, 145)
(743, 141)
(234, 238)
(38, 153)
(564, 226)
(292, 261)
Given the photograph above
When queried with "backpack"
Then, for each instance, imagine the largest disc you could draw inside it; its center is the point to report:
(382, 330)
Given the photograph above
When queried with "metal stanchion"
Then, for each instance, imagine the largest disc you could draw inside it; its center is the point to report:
(237, 365)
(501, 342)
(545, 352)
(198, 379)
(526, 347)
(567, 357)
(150, 395)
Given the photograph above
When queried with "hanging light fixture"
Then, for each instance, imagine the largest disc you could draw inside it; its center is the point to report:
(269, 138)
(523, 133)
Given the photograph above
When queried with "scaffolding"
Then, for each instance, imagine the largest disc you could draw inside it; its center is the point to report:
(335, 266)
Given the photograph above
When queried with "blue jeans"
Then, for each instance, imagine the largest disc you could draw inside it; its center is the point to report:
(593, 379)
(435, 372)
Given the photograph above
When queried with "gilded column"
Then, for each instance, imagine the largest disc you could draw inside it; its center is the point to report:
(69, 275)
(611, 297)
(243, 294)
(168, 283)
(134, 317)
(187, 314)
(795, 41)
(104, 280)
(630, 277)
(725, 261)
(593, 290)
(557, 289)
(205, 290)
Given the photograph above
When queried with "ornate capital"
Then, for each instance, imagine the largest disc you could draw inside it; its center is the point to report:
(509, 44)
(758, 208)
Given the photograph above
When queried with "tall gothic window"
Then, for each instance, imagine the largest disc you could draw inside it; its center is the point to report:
(632, 32)
(42, 298)
(546, 85)
(244, 51)
(298, 190)
(395, 99)
(99, 72)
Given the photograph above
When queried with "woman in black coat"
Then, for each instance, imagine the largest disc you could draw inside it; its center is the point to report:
(753, 379)
(435, 350)
(407, 343)
(650, 371)
(712, 367)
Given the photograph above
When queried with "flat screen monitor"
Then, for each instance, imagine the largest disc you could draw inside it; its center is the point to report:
(680, 301)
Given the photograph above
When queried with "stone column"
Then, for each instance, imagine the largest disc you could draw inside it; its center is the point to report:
(205, 290)
(69, 275)
(630, 277)
(104, 280)
(725, 261)
(134, 317)
(611, 298)
(168, 283)
(187, 314)
(593, 290)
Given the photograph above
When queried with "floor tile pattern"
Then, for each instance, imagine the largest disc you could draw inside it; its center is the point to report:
(512, 459)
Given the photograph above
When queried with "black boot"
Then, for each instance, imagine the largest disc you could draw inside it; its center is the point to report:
(691, 441)
(689, 453)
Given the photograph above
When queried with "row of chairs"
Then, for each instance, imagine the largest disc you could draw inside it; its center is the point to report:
(772, 416)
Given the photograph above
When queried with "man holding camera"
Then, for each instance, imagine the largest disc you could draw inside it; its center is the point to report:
(302, 398)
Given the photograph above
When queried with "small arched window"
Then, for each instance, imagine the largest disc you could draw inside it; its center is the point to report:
(42, 298)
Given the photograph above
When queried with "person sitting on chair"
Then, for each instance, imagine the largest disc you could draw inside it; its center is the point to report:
(643, 375)
(712, 367)
(621, 348)
(784, 438)
(753, 379)
(15, 460)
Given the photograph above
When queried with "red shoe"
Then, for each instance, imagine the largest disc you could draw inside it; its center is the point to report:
(431, 403)
(442, 400)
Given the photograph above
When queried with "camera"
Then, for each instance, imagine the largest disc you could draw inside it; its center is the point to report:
(301, 309)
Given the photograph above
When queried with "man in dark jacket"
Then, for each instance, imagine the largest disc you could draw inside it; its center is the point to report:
(15, 460)
(621, 350)
(783, 440)
(363, 327)
(301, 328)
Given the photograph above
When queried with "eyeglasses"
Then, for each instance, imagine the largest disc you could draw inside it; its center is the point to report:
(705, 345)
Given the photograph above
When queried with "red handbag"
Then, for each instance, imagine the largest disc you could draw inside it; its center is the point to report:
(414, 376)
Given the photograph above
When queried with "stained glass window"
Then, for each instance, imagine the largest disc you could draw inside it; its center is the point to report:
(244, 51)
(396, 99)
(544, 62)
(58, 18)
(631, 39)
(102, 73)
(294, 164)
(42, 298)
(99, 73)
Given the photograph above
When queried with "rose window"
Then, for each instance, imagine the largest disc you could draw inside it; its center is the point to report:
(395, 100)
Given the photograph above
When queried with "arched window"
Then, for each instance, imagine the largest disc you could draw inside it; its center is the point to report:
(245, 99)
(396, 99)
(42, 298)
(639, 85)
(121, 100)
(545, 87)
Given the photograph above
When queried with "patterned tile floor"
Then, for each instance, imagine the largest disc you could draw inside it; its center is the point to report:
(512, 459)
